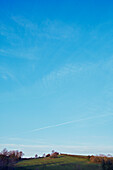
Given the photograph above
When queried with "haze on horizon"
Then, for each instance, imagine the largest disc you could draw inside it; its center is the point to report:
(56, 76)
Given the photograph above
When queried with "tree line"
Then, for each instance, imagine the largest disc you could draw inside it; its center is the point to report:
(8, 158)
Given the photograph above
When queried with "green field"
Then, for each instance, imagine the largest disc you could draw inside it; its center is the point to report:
(63, 162)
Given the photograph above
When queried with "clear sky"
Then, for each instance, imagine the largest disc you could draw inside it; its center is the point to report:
(56, 76)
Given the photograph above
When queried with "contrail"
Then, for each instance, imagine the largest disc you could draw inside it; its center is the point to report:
(74, 121)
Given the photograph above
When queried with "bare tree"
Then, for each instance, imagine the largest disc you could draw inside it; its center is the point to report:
(4, 152)
(36, 156)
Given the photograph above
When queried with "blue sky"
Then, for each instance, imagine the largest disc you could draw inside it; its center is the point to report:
(56, 76)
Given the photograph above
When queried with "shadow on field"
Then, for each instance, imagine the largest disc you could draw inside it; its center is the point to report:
(70, 166)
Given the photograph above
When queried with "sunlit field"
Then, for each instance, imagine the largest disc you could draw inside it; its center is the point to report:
(62, 162)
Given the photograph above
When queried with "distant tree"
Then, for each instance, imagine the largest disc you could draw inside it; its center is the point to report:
(21, 154)
(4, 152)
(36, 156)
(16, 155)
(44, 155)
(7, 159)
(89, 156)
(53, 151)
(54, 155)
(48, 155)
(109, 155)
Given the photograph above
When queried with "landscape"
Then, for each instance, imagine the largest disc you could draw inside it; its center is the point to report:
(56, 84)
(13, 160)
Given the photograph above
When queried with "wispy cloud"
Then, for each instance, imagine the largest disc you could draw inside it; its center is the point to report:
(23, 140)
(5, 74)
(24, 22)
(50, 29)
(18, 46)
(9, 34)
(31, 150)
(58, 30)
(62, 72)
(71, 70)
(68, 71)
(70, 122)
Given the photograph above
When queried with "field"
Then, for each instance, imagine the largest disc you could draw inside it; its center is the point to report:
(63, 162)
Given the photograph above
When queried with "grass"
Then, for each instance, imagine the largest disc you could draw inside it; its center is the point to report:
(63, 162)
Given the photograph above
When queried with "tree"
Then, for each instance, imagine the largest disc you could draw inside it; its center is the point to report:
(53, 151)
(54, 155)
(4, 152)
(48, 155)
(36, 156)
(9, 158)
(44, 155)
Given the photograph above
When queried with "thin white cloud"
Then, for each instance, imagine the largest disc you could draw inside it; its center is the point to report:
(58, 30)
(5, 74)
(71, 70)
(70, 122)
(49, 29)
(24, 22)
(66, 70)
(23, 140)
(31, 150)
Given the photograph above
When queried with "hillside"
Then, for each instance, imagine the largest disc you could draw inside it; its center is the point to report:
(63, 162)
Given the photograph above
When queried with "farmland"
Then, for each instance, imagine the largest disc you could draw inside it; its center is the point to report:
(62, 162)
